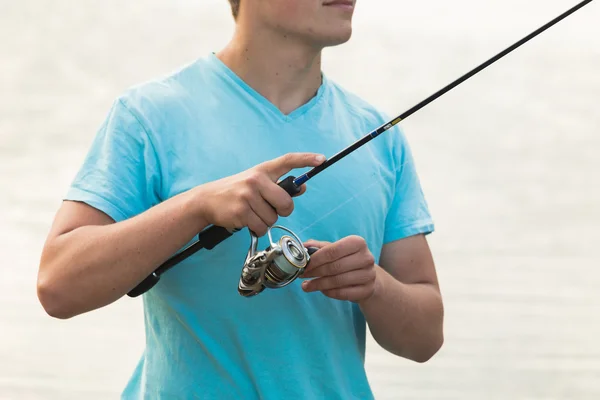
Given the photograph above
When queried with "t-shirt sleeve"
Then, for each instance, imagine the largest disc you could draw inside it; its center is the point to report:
(409, 213)
(120, 174)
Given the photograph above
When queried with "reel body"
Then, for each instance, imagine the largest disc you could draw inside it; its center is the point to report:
(277, 266)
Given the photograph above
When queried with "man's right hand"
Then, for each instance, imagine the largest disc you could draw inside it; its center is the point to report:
(252, 198)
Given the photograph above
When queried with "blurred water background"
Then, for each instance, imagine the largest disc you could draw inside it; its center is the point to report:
(509, 162)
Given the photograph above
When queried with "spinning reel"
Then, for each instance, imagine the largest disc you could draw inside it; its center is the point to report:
(277, 266)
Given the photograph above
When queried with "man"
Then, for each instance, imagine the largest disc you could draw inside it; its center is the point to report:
(206, 146)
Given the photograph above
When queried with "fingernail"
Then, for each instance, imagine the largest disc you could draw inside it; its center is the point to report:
(305, 285)
(320, 158)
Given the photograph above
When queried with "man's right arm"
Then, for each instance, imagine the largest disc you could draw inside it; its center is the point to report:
(89, 261)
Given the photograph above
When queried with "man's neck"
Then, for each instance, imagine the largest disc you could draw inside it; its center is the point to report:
(285, 72)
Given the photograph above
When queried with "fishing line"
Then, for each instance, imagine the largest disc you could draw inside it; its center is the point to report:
(338, 207)
(381, 178)
(267, 264)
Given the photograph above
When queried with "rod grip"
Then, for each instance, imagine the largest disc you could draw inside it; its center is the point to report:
(145, 285)
(208, 239)
(312, 250)
(211, 237)
(288, 185)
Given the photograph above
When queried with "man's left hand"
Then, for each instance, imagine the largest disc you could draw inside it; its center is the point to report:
(343, 270)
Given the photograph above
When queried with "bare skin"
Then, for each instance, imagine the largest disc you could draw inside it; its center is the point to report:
(89, 261)
(400, 298)
(276, 49)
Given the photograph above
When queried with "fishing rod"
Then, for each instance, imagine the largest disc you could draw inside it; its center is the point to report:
(285, 260)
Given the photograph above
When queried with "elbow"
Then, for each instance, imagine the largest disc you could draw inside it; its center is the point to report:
(52, 297)
(429, 349)
(420, 349)
(432, 341)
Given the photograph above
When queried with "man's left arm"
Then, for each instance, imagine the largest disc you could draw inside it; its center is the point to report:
(405, 313)
(400, 297)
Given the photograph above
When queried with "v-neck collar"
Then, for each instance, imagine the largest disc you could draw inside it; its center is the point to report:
(262, 100)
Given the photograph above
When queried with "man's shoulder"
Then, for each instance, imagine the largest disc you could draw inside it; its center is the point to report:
(169, 99)
(357, 105)
(164, 91)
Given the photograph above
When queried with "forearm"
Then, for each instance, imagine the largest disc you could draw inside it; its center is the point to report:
(405, 319)
(93, 266)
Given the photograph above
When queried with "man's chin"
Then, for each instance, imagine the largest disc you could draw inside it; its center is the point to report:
(334, 39)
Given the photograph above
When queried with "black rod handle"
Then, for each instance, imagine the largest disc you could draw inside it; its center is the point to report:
(289, 186)
(208, 239)
(145, 285)
(312, 250)
(212, 236)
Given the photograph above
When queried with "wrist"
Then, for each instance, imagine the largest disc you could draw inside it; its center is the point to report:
(195, 206)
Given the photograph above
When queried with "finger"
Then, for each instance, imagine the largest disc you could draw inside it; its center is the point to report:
(334, 251)
(256, 225)
(312, 244)
(316, 243)
(351, 293)
(281, 165)
(263, 210)
(337, 267)
(352, 278)
(276, 197)
(301, 192)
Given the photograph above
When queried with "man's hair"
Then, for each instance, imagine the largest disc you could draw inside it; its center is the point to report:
(235, 7)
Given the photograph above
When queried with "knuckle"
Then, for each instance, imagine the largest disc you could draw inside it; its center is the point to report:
(340, 294)
(336, 268)
(333, 253)
(356, 241)
(306, 158)
(272, 219)
(258, 228)
(337, 280)
(372, 274)
(286, 159)
(253, 178)
(240, 210)
(369, 277)
(238, 224)
(287, 207)
(245, 194)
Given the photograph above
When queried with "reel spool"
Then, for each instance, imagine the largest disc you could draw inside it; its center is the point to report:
(277, 266)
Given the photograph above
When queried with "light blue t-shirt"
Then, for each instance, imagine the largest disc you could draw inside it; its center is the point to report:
(203, 339)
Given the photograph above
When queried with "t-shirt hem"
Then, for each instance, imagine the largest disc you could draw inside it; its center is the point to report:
(425, 227)
(96, 201)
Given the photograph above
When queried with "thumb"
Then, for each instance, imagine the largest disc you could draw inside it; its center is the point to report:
(281, 165)
(315, 243)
